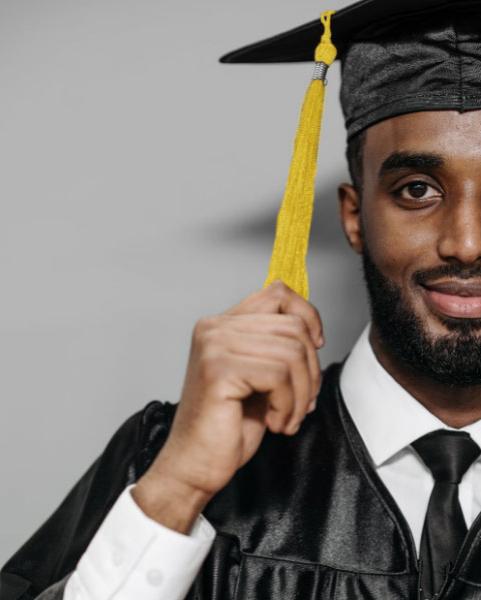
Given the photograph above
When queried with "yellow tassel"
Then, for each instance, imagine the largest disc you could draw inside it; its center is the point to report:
(288, 261)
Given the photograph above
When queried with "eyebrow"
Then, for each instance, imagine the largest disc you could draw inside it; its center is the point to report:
(409, 160)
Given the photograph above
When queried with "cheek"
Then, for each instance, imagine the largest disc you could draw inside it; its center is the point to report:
(399, 241)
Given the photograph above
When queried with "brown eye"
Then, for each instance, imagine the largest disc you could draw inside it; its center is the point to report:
(417, 192)
(417, 189)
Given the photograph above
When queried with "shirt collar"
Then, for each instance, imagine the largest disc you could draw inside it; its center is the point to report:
(388, 418)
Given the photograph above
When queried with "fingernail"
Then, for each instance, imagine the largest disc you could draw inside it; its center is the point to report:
(320, 342)
(312, 406)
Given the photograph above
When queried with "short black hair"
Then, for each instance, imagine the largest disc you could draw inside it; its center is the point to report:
(354, 155)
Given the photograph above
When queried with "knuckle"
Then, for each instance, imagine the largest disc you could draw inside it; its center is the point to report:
(202, 325)
(312, 311)
(209, 336)
(298, 324)
(297, 350)
(202, 339)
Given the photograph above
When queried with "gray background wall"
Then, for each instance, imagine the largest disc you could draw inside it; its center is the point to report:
(139, 185)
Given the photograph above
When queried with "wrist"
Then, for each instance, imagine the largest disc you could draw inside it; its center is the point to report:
(168, 500)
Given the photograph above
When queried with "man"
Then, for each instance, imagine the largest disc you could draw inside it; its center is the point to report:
(368, 486)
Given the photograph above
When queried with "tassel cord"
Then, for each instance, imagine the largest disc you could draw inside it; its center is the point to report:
(288, 261)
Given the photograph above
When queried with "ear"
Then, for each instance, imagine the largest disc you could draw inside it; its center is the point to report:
(350, 213)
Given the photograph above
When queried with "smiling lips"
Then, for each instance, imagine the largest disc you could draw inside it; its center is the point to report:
(455, 298)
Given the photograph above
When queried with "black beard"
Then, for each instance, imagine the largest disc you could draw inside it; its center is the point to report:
(453, 359)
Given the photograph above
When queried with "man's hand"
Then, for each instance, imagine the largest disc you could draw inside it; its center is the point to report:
(251, 368)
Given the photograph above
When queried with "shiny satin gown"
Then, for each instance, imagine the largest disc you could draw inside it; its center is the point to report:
(306, 519)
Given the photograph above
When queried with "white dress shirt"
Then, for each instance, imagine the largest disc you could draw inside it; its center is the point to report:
(389, 419)
(132, 557)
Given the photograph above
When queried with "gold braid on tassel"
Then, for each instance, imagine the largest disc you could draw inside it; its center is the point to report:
(288, 260)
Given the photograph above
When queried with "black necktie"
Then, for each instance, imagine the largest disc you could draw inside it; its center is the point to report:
(448, 455)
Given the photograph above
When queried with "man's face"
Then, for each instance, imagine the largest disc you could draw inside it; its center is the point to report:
(418, 227)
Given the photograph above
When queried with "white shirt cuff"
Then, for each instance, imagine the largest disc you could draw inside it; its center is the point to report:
(132, 557)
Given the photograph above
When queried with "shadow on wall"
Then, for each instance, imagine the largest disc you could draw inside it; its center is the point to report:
(337, 285)
(326, 233)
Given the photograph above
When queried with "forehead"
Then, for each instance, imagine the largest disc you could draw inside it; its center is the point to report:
(449, 133)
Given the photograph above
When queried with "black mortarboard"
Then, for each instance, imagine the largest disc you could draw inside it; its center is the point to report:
(397, 57)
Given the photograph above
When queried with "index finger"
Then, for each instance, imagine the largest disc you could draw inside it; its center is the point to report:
(279, 298)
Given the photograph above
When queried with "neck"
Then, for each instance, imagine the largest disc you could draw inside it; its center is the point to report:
(453, 405)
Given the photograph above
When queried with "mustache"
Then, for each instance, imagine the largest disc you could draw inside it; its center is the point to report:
(454, 271)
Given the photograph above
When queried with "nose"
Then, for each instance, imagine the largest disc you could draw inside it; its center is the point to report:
(460, 233)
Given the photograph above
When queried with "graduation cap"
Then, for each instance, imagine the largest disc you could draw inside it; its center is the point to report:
(397, 57)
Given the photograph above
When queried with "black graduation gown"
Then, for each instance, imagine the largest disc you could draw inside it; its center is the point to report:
(307, 518)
